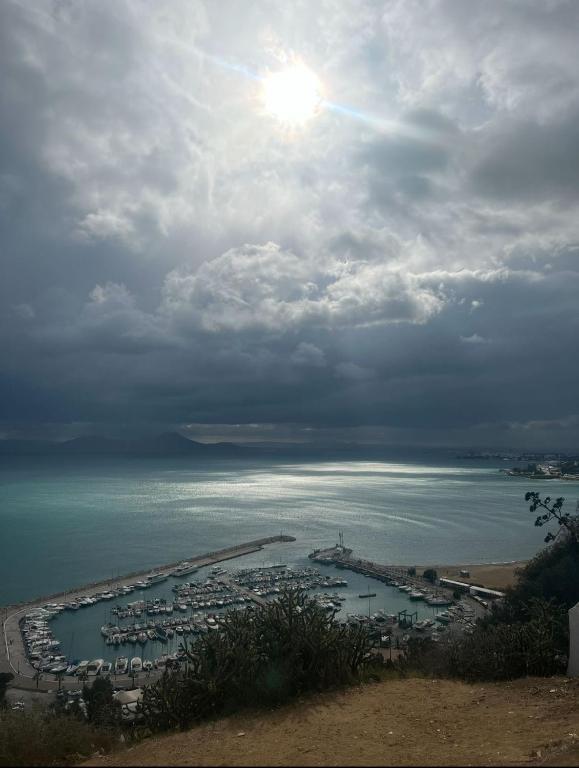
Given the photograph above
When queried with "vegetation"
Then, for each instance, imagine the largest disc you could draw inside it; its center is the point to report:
(496, 651)
(553, 511)
(45, 738)
(101, 708)
(430, 575)
(5, 678)
(411, 571)
(527, 632)
(260, 657)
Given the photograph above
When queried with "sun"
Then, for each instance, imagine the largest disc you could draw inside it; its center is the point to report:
(292, 95)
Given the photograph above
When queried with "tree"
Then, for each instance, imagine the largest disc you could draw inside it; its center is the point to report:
(553, 512)
(412, 571)
(430, 575)
(265, 656)
(526, 633)
(5, 678)
(101, 708)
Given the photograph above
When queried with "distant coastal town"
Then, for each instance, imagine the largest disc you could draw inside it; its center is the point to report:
(550, 470)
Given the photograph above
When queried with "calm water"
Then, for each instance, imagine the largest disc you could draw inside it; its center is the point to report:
(67, 525)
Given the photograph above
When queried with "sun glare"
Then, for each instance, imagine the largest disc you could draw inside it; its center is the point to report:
(292, 95)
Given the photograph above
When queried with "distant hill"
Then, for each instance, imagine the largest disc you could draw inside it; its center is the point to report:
(166, 444)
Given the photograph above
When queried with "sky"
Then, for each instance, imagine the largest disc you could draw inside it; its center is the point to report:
(401, 268)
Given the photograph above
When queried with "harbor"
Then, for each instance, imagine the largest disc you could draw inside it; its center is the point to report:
(30, 621)
(139, 623)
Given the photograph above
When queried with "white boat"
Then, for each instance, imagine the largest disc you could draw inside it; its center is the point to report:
(442, 601)
(184, 570)
(106, 669)
(59, 669)
(136, 665)
(156, 578)
(121, 665)
(81, 669)
(147, 666)
(94, 667)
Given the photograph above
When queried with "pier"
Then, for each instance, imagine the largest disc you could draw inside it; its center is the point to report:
(341, 557)
(13, 656)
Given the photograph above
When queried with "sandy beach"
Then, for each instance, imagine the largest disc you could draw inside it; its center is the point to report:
(491, 575)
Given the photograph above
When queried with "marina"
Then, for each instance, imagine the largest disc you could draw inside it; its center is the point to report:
(30, 649)
(138, 627)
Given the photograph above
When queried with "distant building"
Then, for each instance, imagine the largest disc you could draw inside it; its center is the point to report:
(463, 586)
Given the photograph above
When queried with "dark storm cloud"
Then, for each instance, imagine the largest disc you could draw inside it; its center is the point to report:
(170, 258)
(526, 160)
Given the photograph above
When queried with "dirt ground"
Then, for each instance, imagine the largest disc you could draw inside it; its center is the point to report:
(490, 576)
(396, 722)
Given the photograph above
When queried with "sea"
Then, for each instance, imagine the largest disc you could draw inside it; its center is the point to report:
(65, 523)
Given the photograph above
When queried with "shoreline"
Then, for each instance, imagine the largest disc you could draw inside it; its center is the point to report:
(13, 657)
(491, 575)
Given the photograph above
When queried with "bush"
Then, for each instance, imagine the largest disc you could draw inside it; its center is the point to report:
(430, 575)
(260, 657)
(5, 678)
(101, 708)
(497, 650)
(411, 571)
(40, 738)
(551, 577)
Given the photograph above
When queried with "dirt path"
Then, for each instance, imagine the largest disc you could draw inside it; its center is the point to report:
(398, 722)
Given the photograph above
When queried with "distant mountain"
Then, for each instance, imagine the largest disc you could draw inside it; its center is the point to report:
(167, 444)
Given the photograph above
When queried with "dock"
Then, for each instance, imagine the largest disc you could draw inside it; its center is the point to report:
(341, 557)
(12, 652)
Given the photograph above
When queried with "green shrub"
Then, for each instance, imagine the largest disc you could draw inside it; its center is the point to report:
(430, 575)
(40, 738)
(5, 678)
(101, 708)
(496, 651)
(259, 657)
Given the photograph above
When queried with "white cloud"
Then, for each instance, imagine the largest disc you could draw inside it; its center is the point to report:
(383, 242)
(306, 354)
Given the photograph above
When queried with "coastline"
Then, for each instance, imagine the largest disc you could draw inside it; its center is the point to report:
(13, 657)
(491, 575)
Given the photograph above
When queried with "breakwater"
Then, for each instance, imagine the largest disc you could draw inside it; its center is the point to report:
(13, 657)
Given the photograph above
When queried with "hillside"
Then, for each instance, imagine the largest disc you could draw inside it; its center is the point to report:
(166, 444)
(400, 722)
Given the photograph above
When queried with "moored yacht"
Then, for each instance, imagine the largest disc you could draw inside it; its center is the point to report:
(136, 665)
(184, 569)
(94, 667)
(156, 578)
(121, 665)
(81, 668)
